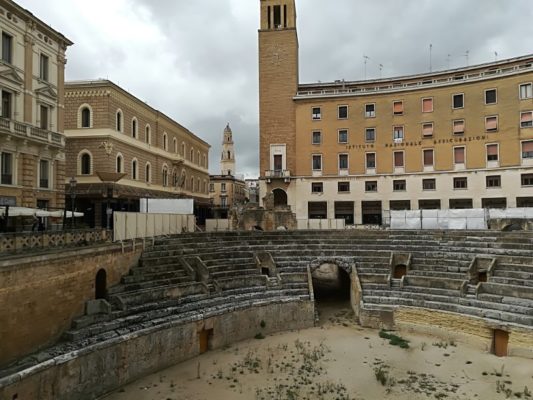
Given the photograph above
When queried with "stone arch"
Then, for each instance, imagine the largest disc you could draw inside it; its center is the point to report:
(331, 279)
(85, 116)
(280, 197)
(85, 162)
(100, 284)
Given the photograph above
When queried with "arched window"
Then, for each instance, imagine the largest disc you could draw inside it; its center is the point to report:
(205, 161)
(85, 117)
(148, 173)
(119, 121)
(183, 149)
(165, 175)
(175, 142)
(175, 178)
(192, 155)
(229, 155)
(119, 163)
(134, 170)
(198, 185)
(165, 141)
(85, 164)
(148, 134)
(183, 180)
(134, 128)
(192, 184)
(198, 160)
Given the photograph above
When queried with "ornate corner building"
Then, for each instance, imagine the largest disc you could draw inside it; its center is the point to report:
(120, 150)
(459, 138)
(32, 145)
(226, 189)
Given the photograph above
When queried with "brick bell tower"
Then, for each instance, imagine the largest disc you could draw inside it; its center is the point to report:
(278, 84)
(227, 159)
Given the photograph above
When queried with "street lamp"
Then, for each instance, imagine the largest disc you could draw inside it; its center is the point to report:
(72, 191)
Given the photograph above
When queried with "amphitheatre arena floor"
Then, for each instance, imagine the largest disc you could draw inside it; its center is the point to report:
(338, 359)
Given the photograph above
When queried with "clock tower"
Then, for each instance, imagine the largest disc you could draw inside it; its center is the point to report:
(278, 84)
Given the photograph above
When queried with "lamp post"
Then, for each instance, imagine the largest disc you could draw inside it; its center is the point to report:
(72, 190)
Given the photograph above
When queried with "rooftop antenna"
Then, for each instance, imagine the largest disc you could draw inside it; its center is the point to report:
(380, 69)
(366, 60)
(466, 55)
(430, 64)
(495, 56)
(448, 61)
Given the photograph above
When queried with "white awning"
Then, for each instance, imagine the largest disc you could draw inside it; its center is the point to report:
(29, 212)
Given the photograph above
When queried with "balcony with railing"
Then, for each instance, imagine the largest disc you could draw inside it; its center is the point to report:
(278, 174)
(27, 131)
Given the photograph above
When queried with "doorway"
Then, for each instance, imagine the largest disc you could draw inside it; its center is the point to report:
(204, 339)
(500, 342)
(280, 198)
(400, 271)
(100, 285)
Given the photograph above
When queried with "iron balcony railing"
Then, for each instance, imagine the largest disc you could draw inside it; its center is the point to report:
(278, 173)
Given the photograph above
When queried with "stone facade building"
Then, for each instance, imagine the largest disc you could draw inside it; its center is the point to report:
(120, 150)
(226, 189)
(32, 146)
(460, 138)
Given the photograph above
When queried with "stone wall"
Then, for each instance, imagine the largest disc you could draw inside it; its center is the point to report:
(97, 370)
(40, 295)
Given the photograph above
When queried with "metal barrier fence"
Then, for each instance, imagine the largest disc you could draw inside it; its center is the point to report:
(127, 226)
(321, 224)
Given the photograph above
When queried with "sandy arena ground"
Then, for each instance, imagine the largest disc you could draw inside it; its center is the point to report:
(338, 360)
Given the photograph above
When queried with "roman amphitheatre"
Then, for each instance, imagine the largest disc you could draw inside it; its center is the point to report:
(355, 314)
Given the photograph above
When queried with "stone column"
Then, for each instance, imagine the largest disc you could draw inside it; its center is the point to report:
(61, 62)
(28, 78)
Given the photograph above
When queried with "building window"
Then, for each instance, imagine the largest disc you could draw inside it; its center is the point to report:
(134, 170)
(399, 185)
(460, 183)
(6, 169)
(148, 173)
(165, 176)
(458, 155)
(527, 149)
(527, 179)
(493, 181)
(6, 104)
(175, 145)
(316, 113)
(85, 164)
(44, 117)
(342, 112)
(343, 136)
(85, 117)
(526, 119)
(223, 202)
(119, 121)
(317, 137)
(119, 163)
(526, 91)
(490, 96)
(427, 129)
(491, 123)
(429, 184)
(134, 128)
(428, 157)
(278, 162)
(223, 187)
(317, 162)
(371, 160)
(370, 134)
(343, 187)
(458, 101)
(397, 133)
(492, 152)
(317, 187)
(44, 174)
(398, 159)
(198, 162)
(183, 149)
(427, 105)
(191, 155)
(43, 69)
(211, 187)
(165, 141)
(7, 48)
(370, 110)
(371, 186)
(148, 134)
(397, 107)
(343, 161)
(458, 126)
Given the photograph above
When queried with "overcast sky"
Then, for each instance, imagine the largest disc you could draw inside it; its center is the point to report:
(196, 60)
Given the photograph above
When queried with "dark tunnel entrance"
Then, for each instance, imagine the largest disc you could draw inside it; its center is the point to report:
(331, 283)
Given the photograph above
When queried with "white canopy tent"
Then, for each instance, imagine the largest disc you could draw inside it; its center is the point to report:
(30, 212)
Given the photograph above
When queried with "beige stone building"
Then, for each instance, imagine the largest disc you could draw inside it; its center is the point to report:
(460, 138)
(226, 189)
(120, 150)
(32, 146)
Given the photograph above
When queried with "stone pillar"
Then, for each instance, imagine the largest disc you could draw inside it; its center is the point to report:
(61, 62)
(28, 78)
(59, 164)
(29, 173)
